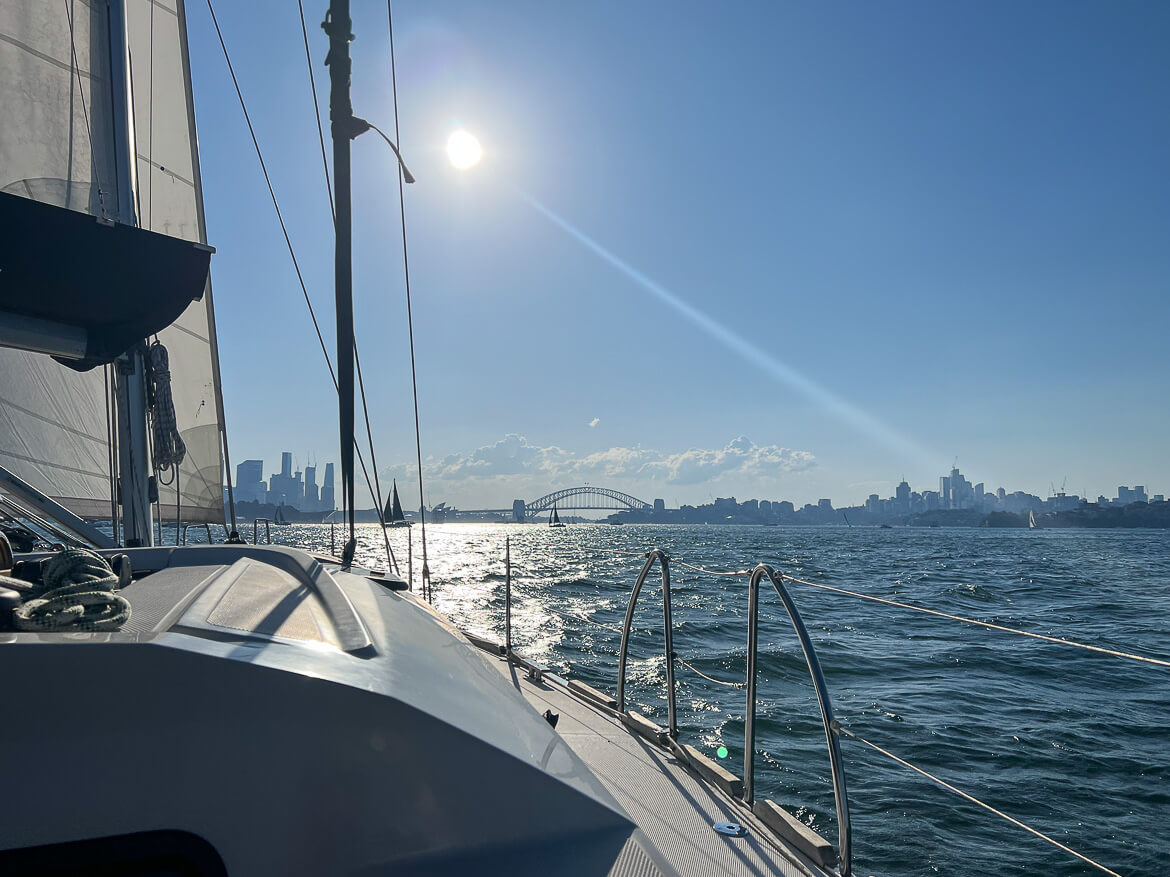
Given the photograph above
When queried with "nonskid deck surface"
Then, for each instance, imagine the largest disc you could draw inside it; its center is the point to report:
(673, 809)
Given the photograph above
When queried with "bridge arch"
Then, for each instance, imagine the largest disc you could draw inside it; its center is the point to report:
(587, 497)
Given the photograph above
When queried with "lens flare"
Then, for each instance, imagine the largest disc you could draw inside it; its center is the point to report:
(738, 344)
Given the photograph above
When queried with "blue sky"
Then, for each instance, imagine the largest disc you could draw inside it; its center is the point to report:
(892, 234)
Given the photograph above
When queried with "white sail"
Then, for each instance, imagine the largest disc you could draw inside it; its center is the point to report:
(56, 146)
(170, 201)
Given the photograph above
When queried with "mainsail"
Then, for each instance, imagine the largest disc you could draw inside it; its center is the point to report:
(170, 197)
(393, 514)
(57, 146)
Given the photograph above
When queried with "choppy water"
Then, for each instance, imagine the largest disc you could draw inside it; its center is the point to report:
(1074, 743)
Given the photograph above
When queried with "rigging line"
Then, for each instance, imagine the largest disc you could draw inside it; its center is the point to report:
(373, 461)
(712, 572)
(422, 513)
(570, 617)
(391, 559)
(944, 784)
(695, 669)
(317, 110)
(84, 112)
(150, 132)
(110, 451)
(287, 240)
(987, 624)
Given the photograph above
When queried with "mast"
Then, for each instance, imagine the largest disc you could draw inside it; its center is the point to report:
(130, 369)
(337, 26)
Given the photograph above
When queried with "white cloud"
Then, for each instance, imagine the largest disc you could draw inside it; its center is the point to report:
(594, 422)
(514, 459)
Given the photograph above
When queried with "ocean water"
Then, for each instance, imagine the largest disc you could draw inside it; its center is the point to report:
(1073, 743)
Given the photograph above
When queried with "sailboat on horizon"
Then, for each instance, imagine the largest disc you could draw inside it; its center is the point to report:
(393, 514)
(554, 520)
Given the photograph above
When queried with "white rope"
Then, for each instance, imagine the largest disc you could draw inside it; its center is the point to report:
(76, 593)
(695, 669)
(944, 784)
(734, 573)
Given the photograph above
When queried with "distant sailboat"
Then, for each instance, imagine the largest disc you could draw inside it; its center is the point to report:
(1032, 525)
(393, 515)
(554, 520)
(278, 517)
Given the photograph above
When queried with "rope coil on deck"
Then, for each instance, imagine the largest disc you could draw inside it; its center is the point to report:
(76, 593)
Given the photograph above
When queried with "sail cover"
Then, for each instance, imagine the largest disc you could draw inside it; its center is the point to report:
(57, 147)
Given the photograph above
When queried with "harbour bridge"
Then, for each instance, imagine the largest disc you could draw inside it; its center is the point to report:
(578, 498)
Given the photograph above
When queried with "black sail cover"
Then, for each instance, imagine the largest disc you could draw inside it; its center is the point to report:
(117, 282)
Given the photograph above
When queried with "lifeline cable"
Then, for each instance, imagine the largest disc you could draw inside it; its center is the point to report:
(991, 626)
(1115, 653)
(969, 797)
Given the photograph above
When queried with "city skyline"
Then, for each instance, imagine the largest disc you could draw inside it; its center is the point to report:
(298, 489)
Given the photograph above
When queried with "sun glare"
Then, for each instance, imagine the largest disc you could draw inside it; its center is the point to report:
(463, 149)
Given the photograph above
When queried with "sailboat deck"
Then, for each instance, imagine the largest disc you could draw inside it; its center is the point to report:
(673, 809)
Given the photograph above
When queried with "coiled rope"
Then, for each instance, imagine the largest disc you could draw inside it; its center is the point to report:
(169, 449)
(76, 593)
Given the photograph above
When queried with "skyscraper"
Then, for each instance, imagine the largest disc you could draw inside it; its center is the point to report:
(285, 488)
(311, 497)
(902, 498)
(327, 503)
(250, 485)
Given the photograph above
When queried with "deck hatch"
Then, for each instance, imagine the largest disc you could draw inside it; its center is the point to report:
(258, 598)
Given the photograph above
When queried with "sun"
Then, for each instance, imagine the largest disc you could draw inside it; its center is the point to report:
(463, 149)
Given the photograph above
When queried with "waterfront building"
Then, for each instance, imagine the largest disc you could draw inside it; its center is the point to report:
(327, 502)
(311, 498)
(902, 497)
(250, 486)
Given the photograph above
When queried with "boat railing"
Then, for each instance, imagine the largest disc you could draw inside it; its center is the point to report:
(191, 524)
(832, 728)
(744, 790)
(267, 522)
(656, 555)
